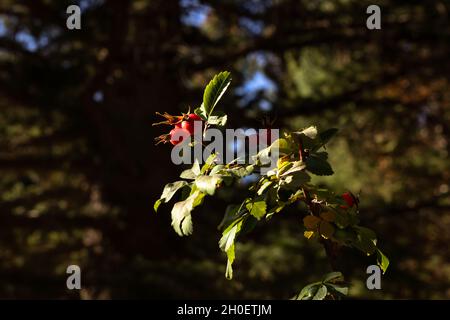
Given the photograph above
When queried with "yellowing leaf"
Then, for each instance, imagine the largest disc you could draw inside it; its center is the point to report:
(328, 216)
(311, 222)
(308, 234)
(326, 230)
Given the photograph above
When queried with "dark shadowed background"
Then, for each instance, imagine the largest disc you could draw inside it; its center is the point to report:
(79, 171)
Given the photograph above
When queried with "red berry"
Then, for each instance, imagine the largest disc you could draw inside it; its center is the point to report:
(194, 117)
(177, 135)
(189, 126)
(178, 125)
(349, 199)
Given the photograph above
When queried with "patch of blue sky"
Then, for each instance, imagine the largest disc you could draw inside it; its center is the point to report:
(87, 4)
(254, 27)
(255, 84)
(30, 42)
(195, 13)
(2, 27)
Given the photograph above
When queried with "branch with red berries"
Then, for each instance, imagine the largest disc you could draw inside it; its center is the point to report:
(331, 219)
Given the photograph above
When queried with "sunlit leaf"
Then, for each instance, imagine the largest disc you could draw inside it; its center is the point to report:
(168, 192)
(181, 214)
(207, 184)
(214, 91)
(382, 260)
(321, 293)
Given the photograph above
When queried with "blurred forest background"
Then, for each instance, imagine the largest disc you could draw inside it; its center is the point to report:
(79, 172)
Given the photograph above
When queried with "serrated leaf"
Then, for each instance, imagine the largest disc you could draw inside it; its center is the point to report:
(181, 214)
(321, 293)
(168, 192)
(382, 261)
(311, 222)
(214, 91)
(257, 208)
(207, 184)
(318, 166)
(326, 135)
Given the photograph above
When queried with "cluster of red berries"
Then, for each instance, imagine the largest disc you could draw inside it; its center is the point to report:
(350, 199)
(183, 126)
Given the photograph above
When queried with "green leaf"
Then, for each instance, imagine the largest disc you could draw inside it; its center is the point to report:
(168, 192)
(196, 168)
(201, 113)
(216, 169)
(229, 235)
(241, 172)
(231, 212)
(333, 277)
(229, 269)
(318, 166)
(188, 174)
(283, 145)
(310, 132)
(181, 214)
(257, 208)
(280, 206)
(264, 187)
(365, 240)
(296, 166)
(218, 119)
(321, 293)
(157, 204)
(308, 291)
(340, 289)
(248, 224)
(207, 184)
(326, 135)
(208, 163)
(382, 261)
(293, 182)
(191, 173)
(214, 91)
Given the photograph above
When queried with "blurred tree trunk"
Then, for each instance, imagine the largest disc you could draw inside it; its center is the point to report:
(138, 77)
